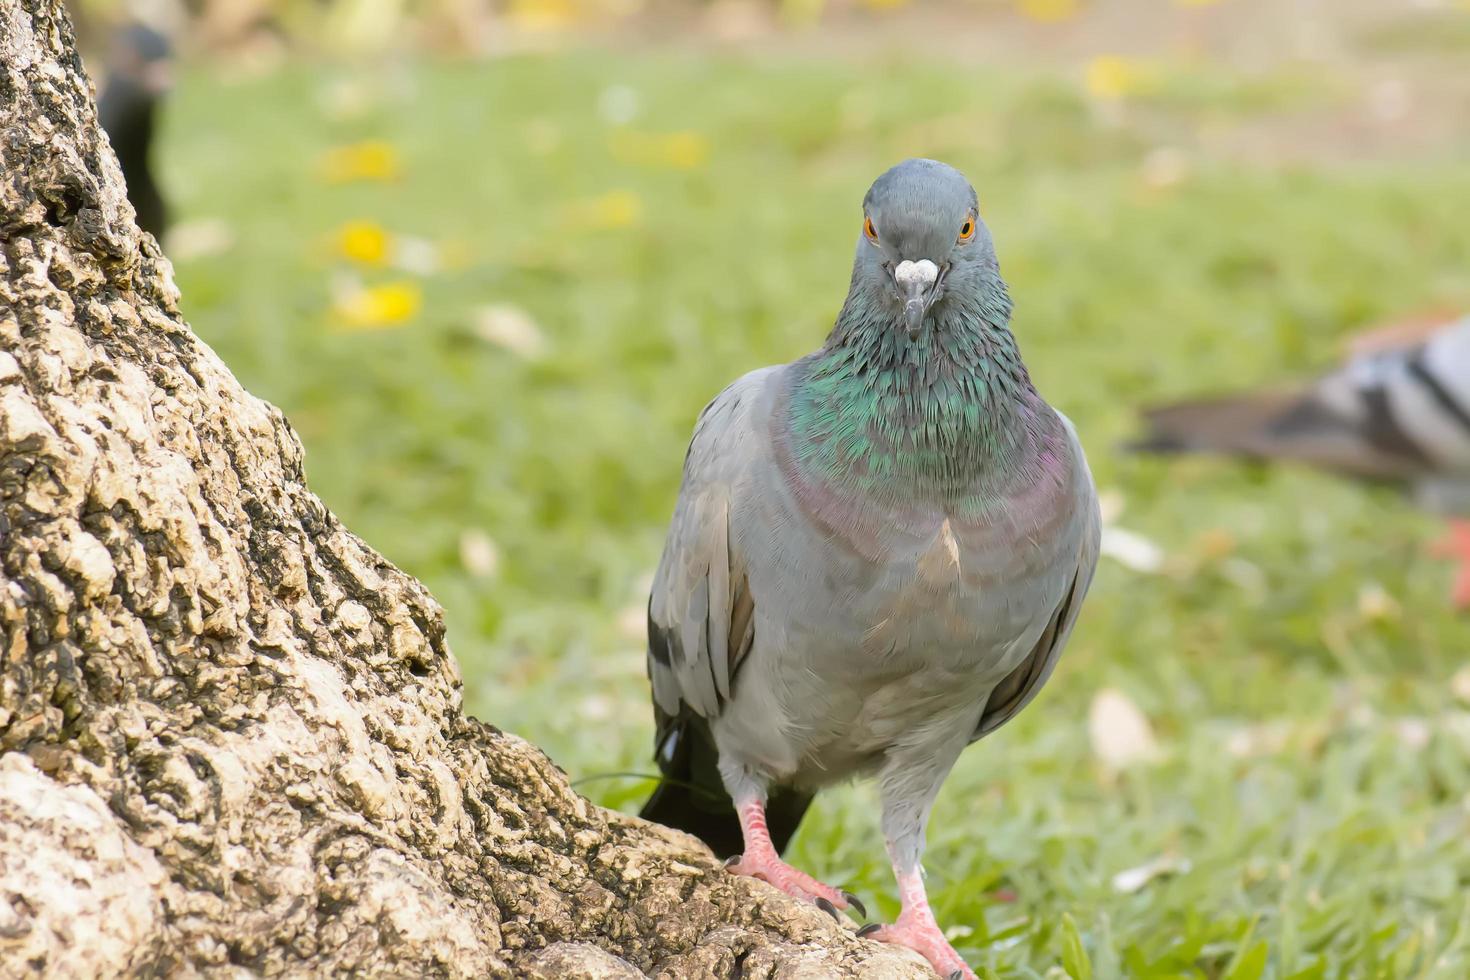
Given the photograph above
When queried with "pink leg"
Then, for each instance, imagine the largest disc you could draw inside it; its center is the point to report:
(760, 860)
(1456, 545)
(917, 930)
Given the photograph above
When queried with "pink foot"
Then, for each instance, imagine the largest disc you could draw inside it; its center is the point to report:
(771, 869)
(921, 933)
(917, 929)
(760, 860)
(1456, 545)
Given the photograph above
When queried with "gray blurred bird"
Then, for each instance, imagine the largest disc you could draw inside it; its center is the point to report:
(139, 75)
(1397, 411)
(876, 558)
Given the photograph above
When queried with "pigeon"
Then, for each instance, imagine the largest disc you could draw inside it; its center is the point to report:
(1396, 411)
(139, 76)
(877, 555)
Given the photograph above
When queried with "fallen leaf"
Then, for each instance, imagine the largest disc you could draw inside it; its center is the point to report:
(478, 554)
(1165, 166)
(1121, 735)
(346, 99)
(1375, 604)
(198, 239)
(1460, 684)
(1414, 733)
(1249, 741)
(512, 328)
(1133, 879)
(416, 256)
(595, 707)
(633, 623)
(1131, 550)
(618, 104)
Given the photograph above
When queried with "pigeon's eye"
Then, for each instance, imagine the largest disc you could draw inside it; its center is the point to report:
(869, 230)
(967, 230)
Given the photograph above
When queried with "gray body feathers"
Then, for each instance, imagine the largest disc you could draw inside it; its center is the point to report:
(881, 642)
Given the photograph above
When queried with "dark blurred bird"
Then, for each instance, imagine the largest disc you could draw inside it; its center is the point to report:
(139, 75)
(1397, 411)
(876, 558)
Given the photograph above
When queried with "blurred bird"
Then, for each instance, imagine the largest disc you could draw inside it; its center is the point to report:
(139, 75)
(1398, 411)
(876, 558)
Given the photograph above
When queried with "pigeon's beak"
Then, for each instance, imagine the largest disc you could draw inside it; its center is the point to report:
(918, 286)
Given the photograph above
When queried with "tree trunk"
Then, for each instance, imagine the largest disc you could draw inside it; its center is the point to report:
(231, 739)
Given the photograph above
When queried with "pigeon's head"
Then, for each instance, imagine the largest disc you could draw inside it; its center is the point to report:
(922, 240)
(143, 57)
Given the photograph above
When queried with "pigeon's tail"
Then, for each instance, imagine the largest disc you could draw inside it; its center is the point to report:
(691, 796)
(1232, 425)
(1367, 440)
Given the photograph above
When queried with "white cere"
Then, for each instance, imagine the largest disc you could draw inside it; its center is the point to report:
(922, 271)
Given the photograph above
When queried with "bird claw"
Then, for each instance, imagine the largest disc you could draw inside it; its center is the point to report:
(924, 938)
(771, 869)
(852, 901)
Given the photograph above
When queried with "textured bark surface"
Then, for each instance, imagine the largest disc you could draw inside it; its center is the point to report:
(230, 732)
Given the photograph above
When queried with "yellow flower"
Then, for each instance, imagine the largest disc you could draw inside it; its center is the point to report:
(368, 160)
(542, 15)
(380, 307)
(615, 209)
(364, 242)
(1112, 77)
(1049, 11)
(684, 150)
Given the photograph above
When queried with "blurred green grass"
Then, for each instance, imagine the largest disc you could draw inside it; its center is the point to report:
(1314, 770)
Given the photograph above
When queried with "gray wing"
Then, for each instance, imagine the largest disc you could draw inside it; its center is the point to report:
(1022, 684)
(700, 614)
(1400, 414)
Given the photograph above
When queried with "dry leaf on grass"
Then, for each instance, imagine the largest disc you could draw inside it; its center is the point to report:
(1133, 879)
(477, 553)
(1120, 733)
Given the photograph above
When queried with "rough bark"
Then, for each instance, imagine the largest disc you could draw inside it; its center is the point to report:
(230, 733)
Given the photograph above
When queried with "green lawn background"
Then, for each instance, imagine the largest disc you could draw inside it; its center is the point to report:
(670, 220)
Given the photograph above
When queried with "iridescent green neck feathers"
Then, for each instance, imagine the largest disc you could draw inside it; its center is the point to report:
(950, 414)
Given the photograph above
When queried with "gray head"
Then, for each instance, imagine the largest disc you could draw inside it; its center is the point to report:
(922, 241)
(142, 57)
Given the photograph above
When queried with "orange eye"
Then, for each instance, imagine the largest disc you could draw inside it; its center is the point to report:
(869, 230)
(967, 230)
